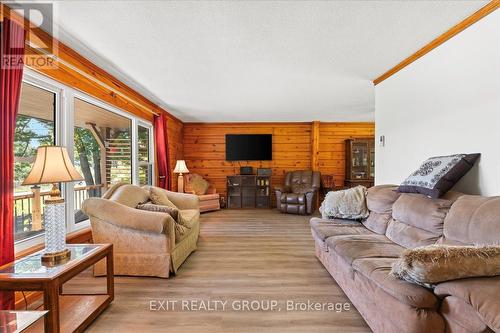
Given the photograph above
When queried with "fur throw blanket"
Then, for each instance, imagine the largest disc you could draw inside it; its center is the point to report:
(345, 204)
(428, 265)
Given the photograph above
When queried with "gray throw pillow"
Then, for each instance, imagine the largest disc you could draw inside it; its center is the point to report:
(438, 175)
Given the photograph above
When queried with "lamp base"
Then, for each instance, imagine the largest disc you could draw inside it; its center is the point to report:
(180, 183)
(56, 257)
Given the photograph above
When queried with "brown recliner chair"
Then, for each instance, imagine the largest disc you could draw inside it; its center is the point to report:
(298, 194)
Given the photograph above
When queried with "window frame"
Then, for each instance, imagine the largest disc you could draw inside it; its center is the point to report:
(64, 136)
(39, 81)
(151, 150)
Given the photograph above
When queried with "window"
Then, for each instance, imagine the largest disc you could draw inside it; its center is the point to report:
(35, 126)
(143, 155)
(102, 151)
(107, 146)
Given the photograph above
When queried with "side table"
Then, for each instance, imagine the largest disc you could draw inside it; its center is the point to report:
(66, 312)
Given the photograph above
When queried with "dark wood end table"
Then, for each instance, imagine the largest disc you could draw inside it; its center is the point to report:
(66, 312)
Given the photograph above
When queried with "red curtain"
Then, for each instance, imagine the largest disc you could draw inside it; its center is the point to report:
(11, 71)
(162, 153)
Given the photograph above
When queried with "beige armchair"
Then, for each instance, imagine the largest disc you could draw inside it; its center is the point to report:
(144, 242)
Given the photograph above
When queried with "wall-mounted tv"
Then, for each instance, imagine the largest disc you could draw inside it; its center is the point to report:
(249, 147)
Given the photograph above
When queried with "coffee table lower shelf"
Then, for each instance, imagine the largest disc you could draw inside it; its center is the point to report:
(76, 312)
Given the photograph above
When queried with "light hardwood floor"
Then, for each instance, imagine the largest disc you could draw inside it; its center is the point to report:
(248, 255)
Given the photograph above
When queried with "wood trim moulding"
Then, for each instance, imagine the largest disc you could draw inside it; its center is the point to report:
(484, 11)
(315, 145)
(247, 123)
(72, 65)
(273, 123)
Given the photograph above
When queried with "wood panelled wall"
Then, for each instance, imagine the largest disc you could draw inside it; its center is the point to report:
(293, 145)
(331, 151)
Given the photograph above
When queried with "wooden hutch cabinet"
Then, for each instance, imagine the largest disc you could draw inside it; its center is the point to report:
(359, 162)
(248, 191)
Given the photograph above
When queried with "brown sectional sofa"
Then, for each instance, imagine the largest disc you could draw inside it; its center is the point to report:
(359, 256)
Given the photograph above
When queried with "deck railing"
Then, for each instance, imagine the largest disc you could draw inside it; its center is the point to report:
(29, 207)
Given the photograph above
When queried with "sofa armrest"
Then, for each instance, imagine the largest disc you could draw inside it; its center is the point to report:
(184, 200)
(127, 217)
(480, 293)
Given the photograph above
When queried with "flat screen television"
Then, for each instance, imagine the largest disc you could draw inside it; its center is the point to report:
(249, 147)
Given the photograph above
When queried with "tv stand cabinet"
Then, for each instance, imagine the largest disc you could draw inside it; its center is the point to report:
(248, 191)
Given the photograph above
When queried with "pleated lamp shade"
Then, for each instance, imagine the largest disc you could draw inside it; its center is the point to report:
(52, 165)
(181, 167)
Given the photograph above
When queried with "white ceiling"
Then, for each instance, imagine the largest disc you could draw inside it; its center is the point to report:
(255, 60)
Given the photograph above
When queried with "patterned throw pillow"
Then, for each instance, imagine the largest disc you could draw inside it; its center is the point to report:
(159, 196)
(438, 175)
(174, 212)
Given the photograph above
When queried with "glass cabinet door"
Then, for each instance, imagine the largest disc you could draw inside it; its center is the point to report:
(359, 160)
(372, 162)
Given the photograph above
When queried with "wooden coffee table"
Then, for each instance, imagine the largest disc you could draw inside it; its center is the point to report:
(66, 312)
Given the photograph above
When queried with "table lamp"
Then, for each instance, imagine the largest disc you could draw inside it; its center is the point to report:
(53, 165)
(180, 168)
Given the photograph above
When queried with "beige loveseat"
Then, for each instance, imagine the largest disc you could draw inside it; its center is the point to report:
(359, 256)
(144, 242)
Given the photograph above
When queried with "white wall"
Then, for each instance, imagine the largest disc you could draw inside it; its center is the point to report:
(446, 102)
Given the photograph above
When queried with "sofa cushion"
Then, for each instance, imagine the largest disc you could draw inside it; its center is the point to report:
(409, 236)
(438, 175)
(480, 293)
(460, 316)
(378, 271)
(380, 198)
(293, 198)
(189, 217)
(336, 227)
(417, 220)
(352, 247)
(474, 220)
